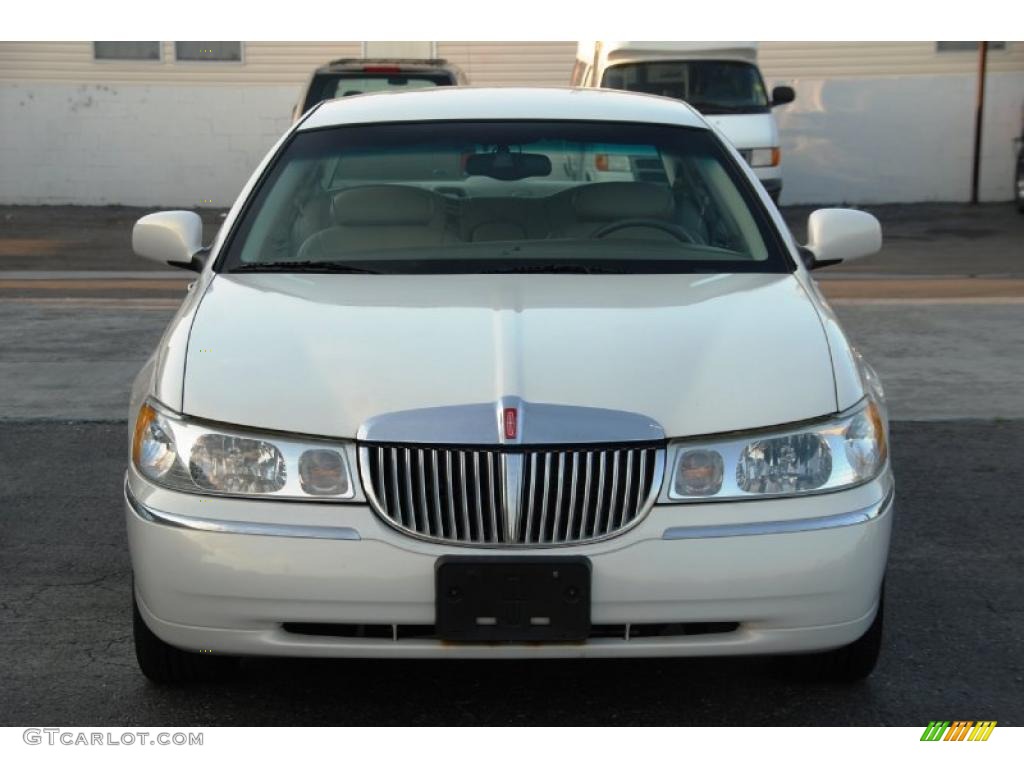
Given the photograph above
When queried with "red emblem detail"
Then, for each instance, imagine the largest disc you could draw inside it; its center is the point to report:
(511, 418)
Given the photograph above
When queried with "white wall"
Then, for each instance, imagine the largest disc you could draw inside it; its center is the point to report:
(897, 139)
(170, 133)
(151, 145)
(409, 49)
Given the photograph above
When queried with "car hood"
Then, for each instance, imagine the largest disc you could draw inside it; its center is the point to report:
(324, 354)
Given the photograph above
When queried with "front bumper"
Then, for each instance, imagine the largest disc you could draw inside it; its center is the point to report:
(226, 575)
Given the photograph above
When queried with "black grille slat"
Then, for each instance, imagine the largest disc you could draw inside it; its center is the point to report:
(566, 495)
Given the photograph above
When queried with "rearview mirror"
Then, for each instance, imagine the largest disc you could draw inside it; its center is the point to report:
(170, 237)
(508, 166)
(782, 94)
(841, 234)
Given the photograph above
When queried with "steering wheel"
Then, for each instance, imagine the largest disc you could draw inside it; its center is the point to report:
(665, 226)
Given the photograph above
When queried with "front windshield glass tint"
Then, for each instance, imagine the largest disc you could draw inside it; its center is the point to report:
(713, 87)
(485, 196)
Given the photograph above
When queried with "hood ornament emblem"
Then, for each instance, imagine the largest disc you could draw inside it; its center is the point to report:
(509, 409)
(510, 421)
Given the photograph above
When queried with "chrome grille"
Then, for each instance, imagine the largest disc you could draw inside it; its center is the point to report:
(512, 496)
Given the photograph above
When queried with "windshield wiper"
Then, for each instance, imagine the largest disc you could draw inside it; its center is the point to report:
(553, 269)
(327, 267)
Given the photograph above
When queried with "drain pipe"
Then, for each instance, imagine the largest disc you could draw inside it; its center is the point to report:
(979, 111)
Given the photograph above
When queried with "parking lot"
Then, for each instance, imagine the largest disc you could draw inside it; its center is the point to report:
(940, 313)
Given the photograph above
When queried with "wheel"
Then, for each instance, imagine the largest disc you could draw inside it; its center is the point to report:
(665, 226)
(167, 665)
(848, 664)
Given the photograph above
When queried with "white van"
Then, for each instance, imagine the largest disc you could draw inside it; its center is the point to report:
(721, 80)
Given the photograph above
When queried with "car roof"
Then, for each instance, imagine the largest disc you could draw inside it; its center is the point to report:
(473, 103)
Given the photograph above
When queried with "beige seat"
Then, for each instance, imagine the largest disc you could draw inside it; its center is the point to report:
(502, 218)
(581, 211)
(379, 217)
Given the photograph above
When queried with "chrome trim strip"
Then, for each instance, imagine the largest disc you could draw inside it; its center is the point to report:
(544, 498)
(585, 516)
(572, 493)
(600, 493)
(563, 459)
(613, 500)
(436, 478)
(512, 479)
(236, 526)
(482, 424)
(842, 520)
(478, 495)
(453, 525)
(530, 494)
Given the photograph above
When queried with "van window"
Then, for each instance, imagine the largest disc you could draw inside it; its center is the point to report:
(713, 87)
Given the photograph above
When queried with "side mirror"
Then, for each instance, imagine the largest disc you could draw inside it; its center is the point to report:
(171, 237)
(840, 234)
(782, 94)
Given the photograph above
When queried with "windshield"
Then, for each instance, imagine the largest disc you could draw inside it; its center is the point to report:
(337, 86)
(713, 87)
(464, 197)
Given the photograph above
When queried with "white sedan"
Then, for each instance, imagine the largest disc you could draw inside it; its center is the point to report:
(435, 394)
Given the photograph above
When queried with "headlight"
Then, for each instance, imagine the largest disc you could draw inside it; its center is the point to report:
(765, 157)
(698, 473)
(188, 456)
(847, 450)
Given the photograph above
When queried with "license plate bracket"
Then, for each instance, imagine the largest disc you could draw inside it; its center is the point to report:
(532, 599)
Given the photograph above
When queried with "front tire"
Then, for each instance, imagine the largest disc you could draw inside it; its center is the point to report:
(849, 664)
(166, 665)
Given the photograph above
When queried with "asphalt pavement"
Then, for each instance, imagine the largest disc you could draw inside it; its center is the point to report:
(940, 313)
